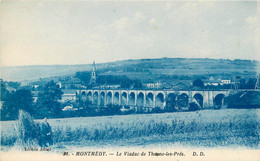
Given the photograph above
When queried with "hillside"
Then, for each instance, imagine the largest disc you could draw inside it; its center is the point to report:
(182, 68)
(147, 69)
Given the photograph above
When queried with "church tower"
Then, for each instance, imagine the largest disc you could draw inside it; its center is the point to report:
(93, 78)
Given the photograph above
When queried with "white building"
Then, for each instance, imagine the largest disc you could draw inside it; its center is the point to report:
(68, 95)
(226, 81)
(153, 85)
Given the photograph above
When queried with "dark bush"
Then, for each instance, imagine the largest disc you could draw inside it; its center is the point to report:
(193, 106)
(157, 110)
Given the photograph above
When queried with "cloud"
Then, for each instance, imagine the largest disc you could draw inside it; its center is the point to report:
(153, 23)
(79, 33)
(121, 24)
(251, 19)
(138, 17)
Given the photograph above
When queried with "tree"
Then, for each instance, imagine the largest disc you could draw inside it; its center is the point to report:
(198, 83)
(171, 103)
(84, 76)
(24, 100)
(13, 84)
(85, 108)
(124, 81)
(251, 83)
(8, 110)
(138, 84)
(19, 100)
(4, 92)
(182, 101)
(244, 99)
(48, 100)
(157, 110)
(111, 109)
(193, 106)
(242, 84)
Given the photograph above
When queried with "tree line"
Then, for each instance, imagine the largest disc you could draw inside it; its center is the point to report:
(123, 81)
(47, 103)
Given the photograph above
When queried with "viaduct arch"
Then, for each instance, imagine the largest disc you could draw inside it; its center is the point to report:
(154, 98)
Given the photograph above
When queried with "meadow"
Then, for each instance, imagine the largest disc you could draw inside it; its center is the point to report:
(205, 128)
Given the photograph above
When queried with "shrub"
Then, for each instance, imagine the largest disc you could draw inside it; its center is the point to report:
(157, 110)
(193, 106)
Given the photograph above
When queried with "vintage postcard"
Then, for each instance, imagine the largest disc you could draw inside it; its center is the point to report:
(129, 80)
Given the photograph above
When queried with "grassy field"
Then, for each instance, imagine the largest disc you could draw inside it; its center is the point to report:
(206, 128)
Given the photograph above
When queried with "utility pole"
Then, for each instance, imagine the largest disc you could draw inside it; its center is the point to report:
(257, 82)
(235, 83)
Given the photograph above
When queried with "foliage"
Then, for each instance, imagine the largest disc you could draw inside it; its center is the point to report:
(170, 104)
(127, 111)
(247, 84)
(193, 106)
(246, 99)
(124, 81)
(157, 110)
(19, 100)
(48, 100)
(138, 84)
(4, 92)
(13, 84)
(86, 109)
(110, 110)
(198, 83)
(182, 101)
(84, 76)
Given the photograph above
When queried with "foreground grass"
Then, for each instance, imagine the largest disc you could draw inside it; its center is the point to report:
(207, 128)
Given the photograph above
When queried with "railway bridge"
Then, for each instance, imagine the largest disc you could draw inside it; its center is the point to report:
(152, 98)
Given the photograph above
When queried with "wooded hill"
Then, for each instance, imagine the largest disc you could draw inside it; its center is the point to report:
(143, 69)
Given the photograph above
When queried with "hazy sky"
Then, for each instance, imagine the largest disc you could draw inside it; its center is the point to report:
(37, 33)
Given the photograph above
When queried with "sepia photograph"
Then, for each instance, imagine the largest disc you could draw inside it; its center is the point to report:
(129, 80)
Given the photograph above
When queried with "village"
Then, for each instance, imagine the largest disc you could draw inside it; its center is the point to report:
(72, 87)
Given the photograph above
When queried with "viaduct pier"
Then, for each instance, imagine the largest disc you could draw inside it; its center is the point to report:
(152, 98)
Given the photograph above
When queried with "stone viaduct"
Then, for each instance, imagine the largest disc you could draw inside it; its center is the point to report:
(152, 98)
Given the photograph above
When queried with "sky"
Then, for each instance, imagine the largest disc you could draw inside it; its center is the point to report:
(66, 32)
